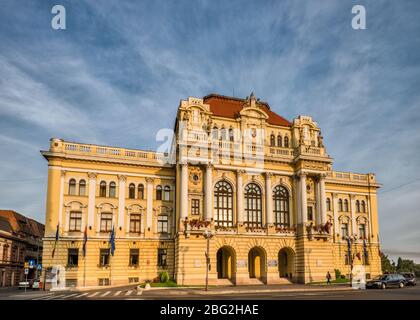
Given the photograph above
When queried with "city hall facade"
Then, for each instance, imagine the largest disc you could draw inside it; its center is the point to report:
(259, 190)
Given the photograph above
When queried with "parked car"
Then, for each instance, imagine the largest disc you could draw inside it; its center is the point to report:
(386, 281)
(410, 278)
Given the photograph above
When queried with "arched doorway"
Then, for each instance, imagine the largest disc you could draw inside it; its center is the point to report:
(256, 263)
(225, 263)
(286, 263)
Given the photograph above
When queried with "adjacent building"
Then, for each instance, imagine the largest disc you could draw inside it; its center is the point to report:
(263, 188)
(20, 241)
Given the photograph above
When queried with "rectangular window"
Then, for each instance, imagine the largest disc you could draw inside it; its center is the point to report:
(134, 257)
(104, 257)
(344, 230)
(310, 214)
(347, 259)
(362, 231)
(71, 283)
(135, 220)
(103, 281)
(162, 224)
(106, 222)
(133, 280)
(72, 257)
(162, 255)
(75, 223)
(195, 206)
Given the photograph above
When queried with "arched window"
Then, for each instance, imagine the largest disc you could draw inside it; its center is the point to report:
(328, 204)
(231, 136)
(281, 206)
(215, 132)
(363, 206)
(357, 206)
(286, 142)
(223, 133)
(346, 205)
(112, 189)
(131, 191)
(82, 187)
(102, 189)
(340, 205)
(279, 141)
(72, 187)
(159, 193)
(140, 192)
(272, 140)
(167, 193)
(223, 204)
(253, 206)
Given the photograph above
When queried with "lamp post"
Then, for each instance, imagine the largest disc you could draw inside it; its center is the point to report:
(208, 234)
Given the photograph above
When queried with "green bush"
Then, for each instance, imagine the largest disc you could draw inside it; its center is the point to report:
(164, 277)
(337, 274)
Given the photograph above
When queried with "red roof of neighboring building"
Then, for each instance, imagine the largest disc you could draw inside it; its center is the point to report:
(21, 224)
(229, 107)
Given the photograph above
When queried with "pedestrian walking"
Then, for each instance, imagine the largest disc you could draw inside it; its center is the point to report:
(328, 277)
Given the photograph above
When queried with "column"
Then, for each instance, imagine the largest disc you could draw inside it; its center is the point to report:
(209, 193)
(91, 199)
(239, 197)
(149, 203)
(335, 210)
(184, 192)
(268, 199)
(303, 199)
(353, 215)
(298, 202)
(121, 200)
(322, 200)
(60, 209)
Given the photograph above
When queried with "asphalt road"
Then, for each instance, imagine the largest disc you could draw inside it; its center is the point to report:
(130, 293)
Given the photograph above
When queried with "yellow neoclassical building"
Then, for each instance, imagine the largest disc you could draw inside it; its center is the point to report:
(260, 187)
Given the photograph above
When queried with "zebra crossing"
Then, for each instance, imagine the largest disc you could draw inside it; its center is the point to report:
(91, 295)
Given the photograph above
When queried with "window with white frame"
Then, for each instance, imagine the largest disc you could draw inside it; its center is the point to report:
(162, 223)
(75, 221)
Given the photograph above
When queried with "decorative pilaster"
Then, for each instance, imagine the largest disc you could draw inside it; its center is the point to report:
(335, 212)
(184, 191)
(269, 199)
(61, 202)
(353, 214)
(303, 199)
(322, 199)
(91, 199)
(121, 200)
(239, 197)
(209, 192)
(149, 203)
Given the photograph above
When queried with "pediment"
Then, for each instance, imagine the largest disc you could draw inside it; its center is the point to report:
(253, 112)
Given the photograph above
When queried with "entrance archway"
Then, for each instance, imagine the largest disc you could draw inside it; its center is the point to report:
(256, 263)
(286, 263)
(225, 263)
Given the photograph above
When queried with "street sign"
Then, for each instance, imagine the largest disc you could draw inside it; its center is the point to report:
(31, 263)
(39, 267)
(26, 270)
(26, 265)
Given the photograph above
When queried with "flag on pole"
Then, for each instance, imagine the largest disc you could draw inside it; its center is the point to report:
(85, 238)
(112, 241)
(56, 239)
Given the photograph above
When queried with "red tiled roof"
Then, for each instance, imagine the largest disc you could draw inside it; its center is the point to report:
(230, 107)
(21, 224)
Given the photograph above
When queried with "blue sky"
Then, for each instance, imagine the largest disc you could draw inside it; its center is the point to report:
(116, 74)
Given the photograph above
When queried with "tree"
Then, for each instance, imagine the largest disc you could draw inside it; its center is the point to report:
(405, 265)
(387, 266)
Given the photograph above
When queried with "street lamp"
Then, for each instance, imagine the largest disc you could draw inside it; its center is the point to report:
(208, 234)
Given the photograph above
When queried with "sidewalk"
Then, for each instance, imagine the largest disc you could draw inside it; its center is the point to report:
(251, 289)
